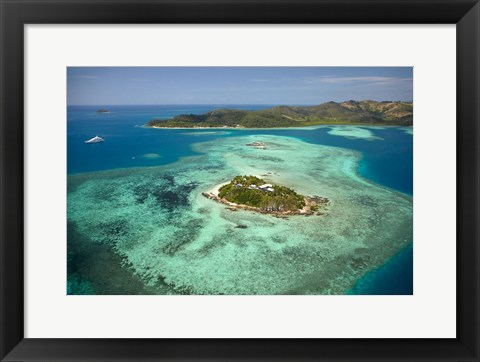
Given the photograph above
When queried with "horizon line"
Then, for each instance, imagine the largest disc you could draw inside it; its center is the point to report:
(233, 104)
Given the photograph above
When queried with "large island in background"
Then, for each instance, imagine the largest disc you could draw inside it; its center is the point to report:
(395, 113)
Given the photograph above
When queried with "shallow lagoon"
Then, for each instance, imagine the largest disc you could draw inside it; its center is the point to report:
(147, 230)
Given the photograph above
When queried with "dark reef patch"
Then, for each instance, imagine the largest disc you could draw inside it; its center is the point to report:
(365, 201)
(166, 193)
(112, 230)
(94, 268)
(183, 236)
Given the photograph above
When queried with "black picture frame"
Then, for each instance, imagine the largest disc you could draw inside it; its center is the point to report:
(17, 13)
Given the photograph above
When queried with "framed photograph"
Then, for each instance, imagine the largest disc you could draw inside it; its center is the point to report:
(226, 180)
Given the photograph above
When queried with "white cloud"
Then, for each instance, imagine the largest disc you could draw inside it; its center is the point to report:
(365, 79)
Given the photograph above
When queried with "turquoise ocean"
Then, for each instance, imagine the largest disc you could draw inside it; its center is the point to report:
(386, 159)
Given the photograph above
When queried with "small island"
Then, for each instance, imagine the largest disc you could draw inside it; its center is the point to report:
(255, 194)
(103, 110)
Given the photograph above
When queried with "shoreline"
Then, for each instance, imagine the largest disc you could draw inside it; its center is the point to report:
(320, 125)
(321, 202)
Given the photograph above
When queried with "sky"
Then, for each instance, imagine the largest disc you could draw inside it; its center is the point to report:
(236, 85)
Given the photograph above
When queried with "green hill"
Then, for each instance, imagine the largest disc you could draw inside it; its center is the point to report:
(349, 112)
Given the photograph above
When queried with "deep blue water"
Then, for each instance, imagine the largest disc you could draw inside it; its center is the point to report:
(393, 278)
(388, 162)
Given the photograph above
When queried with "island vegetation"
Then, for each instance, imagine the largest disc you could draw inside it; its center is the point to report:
(103, 110)
(351, 112)
(254, 193)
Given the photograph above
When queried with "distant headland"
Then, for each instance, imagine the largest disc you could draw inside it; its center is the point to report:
(394, 113)
(253, 193)
(103, 110)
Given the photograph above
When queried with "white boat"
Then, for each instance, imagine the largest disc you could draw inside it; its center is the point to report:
(95, 139)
